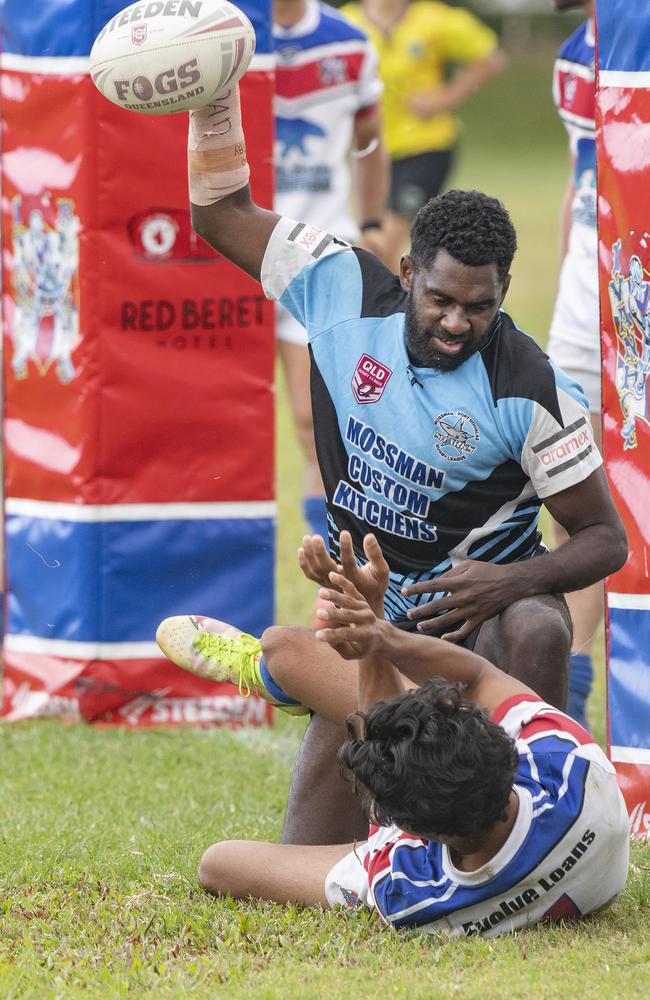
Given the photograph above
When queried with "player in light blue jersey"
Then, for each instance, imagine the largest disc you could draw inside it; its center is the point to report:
(489, 809)
(440, 427)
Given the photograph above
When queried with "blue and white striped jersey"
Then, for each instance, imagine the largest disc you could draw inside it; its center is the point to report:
(442, 466)
(566, 856)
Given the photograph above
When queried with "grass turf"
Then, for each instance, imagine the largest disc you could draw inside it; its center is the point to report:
(101, 835)
(102, 830)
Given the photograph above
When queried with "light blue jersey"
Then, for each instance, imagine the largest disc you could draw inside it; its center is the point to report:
(441, 465)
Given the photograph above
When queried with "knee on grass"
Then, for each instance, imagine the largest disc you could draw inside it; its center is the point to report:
(217, 869)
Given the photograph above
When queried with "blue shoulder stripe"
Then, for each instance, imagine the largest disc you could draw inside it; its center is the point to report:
(576, 49)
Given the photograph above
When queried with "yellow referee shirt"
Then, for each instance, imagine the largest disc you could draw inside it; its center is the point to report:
(415, 56)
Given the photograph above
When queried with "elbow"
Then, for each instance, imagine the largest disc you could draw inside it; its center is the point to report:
(202, 222)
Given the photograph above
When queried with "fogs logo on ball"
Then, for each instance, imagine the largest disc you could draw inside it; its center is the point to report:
(369, 380)
(139, 34)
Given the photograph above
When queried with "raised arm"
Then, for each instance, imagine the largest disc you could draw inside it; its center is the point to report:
(387, 654)
(223, 212)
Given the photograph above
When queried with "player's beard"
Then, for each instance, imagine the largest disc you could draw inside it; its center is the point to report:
(421, 345)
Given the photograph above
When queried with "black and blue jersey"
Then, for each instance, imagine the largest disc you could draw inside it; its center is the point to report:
(441, 465)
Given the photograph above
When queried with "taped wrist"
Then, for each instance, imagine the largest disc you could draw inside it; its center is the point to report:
(216, 152)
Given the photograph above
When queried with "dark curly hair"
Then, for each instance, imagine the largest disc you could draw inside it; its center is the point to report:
(469, 225)
(431, 763)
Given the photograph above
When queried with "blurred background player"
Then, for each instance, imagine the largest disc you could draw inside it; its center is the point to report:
(327, 106)
(419, 44)
(574, 337)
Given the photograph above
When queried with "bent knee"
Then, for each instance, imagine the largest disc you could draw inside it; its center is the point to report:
(279, 638)
(542, 622)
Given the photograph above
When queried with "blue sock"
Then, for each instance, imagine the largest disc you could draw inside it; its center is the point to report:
(581, 675)
(315, 513)
(274, 689)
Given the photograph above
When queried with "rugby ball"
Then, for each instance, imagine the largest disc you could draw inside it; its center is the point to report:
(164, 56)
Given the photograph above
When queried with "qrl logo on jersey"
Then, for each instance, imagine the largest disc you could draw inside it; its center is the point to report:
(369, 380)
(139, 34)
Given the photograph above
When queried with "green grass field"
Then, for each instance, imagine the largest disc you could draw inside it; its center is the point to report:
(102, 830)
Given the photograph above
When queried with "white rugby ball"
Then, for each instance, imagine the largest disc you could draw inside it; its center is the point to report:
(159, 57)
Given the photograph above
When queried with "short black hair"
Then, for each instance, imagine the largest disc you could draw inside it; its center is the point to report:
(469, 225)
(430, 763)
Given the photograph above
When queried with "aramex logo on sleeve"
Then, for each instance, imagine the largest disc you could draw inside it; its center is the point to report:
(565, 448)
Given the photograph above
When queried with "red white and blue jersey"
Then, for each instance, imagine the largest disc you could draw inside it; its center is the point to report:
(566, 856)
(326, 75)
(574, 92)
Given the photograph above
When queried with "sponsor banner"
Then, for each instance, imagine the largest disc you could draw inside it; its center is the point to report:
(623, 126)
(185, 338)
(138, 371)
(134, 692)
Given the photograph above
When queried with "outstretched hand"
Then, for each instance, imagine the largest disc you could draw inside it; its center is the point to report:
(349, 624)
(475, 591)
(371, 580)
(315, 561)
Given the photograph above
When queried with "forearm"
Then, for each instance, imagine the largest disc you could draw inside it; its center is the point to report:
(565, 216)
(419, 657)
(586, 557)
(378, 681)
(472, 77)
(223, 212)
(370, 183)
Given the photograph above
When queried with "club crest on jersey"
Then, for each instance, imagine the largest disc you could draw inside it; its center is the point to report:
(369, 380)
(456, 435)
(139, 34)
(332, 70)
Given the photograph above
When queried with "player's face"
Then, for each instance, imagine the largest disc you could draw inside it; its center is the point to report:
(449, 310)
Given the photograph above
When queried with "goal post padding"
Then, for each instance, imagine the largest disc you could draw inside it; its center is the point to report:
(623, 136)
(138, 380)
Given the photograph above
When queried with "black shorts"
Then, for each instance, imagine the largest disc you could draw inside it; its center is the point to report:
(415, 179)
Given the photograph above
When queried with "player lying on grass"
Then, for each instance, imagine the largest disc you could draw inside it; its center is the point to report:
(489, 809)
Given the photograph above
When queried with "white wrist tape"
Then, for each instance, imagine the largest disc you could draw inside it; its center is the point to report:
(216, 152)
